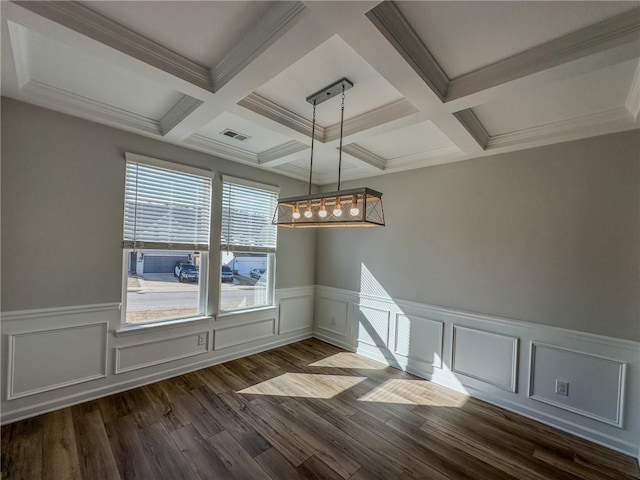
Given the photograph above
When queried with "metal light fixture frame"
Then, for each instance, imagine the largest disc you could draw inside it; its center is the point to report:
(355, 207)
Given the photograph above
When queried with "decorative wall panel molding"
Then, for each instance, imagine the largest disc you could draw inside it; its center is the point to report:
(332, 316)
(427, 348)
(247, 332)
(373, 326)
(296, 314)
(485, 356)
(141, 355)
(44, 360)
(596, 384)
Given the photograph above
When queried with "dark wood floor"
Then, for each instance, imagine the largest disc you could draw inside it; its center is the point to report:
(307, 410)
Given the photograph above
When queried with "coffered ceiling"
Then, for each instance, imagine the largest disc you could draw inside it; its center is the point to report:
(434, 82)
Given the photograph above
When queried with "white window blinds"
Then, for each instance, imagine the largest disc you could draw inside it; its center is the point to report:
(166, 208)
(246, 218)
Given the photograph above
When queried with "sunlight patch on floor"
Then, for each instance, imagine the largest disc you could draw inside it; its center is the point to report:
(413, 392)
(304, 385)
(349, 360)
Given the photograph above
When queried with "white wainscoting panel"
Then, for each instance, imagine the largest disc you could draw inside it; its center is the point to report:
(596, 384)
(141, 355)
(230, 336)
(373, 326)
(43, 360)
(485, 356)
(296, 313)
(332, 315)
(419, 339)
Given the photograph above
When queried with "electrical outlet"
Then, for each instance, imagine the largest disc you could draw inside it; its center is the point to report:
(562, 388)
(202, 338)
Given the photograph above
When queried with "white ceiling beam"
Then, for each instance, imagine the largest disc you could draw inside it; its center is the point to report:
(365, 156)
(404, 61)
(608, 42)
(107, 32)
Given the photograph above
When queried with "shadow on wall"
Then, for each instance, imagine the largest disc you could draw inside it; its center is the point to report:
(404, 340)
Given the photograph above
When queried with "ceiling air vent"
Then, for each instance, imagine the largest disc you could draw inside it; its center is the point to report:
(235, 135)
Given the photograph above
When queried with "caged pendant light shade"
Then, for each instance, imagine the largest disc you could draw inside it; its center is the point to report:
(355, 207)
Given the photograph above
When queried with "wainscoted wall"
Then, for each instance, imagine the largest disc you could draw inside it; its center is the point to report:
(510, 363)
(60, 356)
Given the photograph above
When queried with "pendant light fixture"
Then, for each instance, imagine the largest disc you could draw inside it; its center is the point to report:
(354, 207)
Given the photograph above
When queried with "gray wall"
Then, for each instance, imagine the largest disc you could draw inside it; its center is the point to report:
(62, 208)
(549, 235)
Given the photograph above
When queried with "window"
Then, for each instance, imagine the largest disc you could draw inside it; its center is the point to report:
(248, 245)
(167, 215)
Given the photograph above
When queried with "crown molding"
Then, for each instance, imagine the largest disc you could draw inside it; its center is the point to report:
(280, 19)
(364, 155)
(53, 97)
(633, 99)
(605, 35)
(608, 121)
(220, 149)
(281, 153)
(83, 20)
(271, 110)
(176, 114)
(474, 126)
(373, 118)
(388, 19)
(19, 37)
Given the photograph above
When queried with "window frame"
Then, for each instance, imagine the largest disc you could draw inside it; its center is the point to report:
(271, 254)
(205, 255)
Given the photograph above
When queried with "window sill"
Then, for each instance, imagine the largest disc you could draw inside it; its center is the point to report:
(248, 311)
(154, 327)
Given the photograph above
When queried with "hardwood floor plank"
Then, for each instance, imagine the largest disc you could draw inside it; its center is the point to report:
(315, 469)
(22, 450)
(304, 434)
(94, 452)
(165, 398)
(200, 455)
(59, 454)
(163, 455)
(276, 465)
(113, 407)
(303, 411)
(376, 466)
(295, 452)
(127, 449)
(236, 458)
(456, 428)
(247, 436)
(578, 470)
(387, 450)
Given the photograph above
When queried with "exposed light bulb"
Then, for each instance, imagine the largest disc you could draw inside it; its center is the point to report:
(296, 215)
(355, 211)
(337, 211)
(323, 210)
(308, 214)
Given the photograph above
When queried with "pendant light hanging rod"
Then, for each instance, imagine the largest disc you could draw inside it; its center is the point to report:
(313, 137)
(341, 129)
